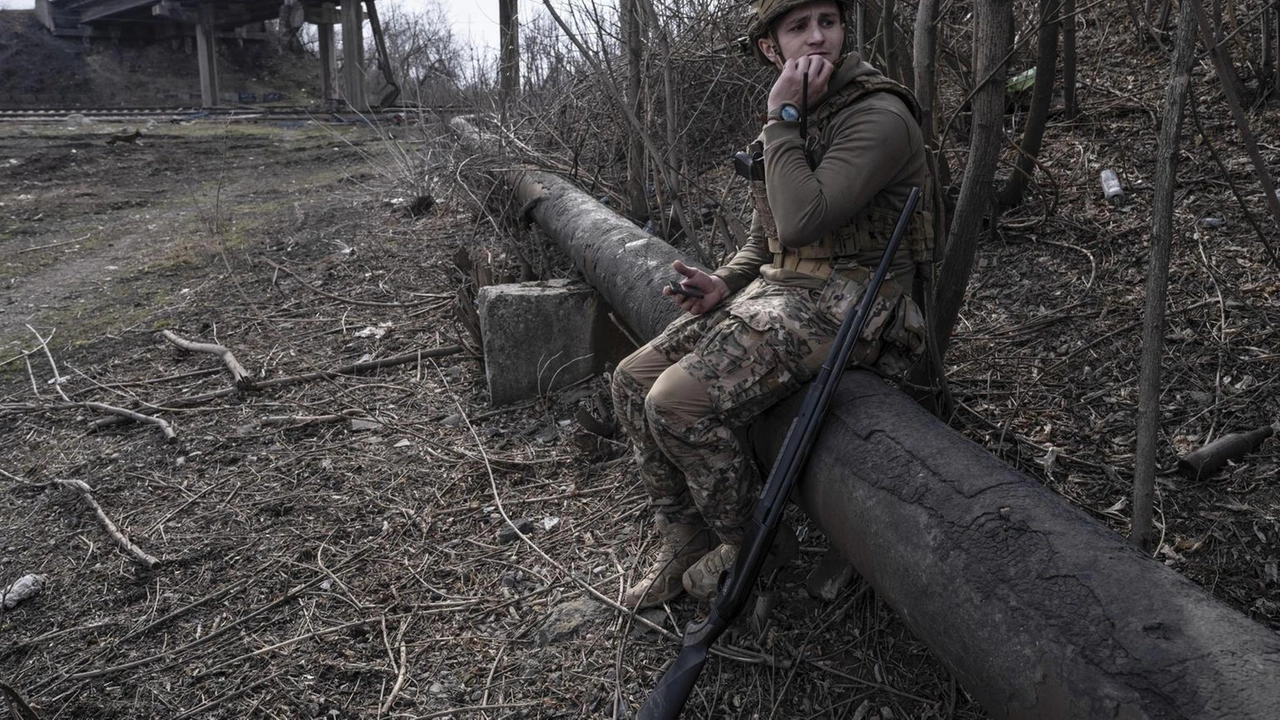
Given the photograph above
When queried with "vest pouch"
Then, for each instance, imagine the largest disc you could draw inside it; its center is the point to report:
(903, 342)
(844, 290)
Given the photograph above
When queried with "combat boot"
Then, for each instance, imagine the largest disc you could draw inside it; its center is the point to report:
(681, 546)
(702, 580)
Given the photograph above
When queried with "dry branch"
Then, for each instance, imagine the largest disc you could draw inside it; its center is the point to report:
(161, 423)
(164, 426)
(242, 377)
(339, 298)
(1227, 76)
(352, 369)
(18, 707)
(295, 420)
(86, 493)
(229, 695)
(206, 638)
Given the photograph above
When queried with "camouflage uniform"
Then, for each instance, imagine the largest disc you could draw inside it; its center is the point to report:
(680, 397)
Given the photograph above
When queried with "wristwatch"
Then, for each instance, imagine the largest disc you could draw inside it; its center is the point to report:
(785, 112)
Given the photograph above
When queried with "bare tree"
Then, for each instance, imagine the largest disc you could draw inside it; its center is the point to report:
(1148, 426)
(509, 41)
(992, 37)
(424, 54)
(926, 44)
(633, 32)
(1038, 114)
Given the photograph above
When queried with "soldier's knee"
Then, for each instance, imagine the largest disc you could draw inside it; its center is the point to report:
(677, 394)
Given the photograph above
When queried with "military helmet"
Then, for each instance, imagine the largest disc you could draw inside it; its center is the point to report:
(764, 12)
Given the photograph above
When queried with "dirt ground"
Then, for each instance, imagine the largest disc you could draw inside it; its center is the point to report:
(339, 546)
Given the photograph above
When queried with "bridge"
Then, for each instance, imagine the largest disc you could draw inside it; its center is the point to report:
(209, 20)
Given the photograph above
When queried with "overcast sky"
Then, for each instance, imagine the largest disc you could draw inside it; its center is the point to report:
(474, 21)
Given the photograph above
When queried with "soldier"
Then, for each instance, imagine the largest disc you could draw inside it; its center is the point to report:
(761, 325)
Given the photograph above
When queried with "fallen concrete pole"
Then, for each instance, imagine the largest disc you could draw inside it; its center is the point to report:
(1039, 611)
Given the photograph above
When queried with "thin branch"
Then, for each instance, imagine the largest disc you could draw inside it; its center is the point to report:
(352, 369)
(1228, 81)
(230, 695)
(164, 426)
(86, 493)
(19, 708)
(242, 377)
(339, 298)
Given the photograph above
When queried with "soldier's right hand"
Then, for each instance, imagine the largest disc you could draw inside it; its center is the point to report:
(713, 289)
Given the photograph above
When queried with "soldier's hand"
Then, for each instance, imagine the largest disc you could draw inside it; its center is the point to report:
(788, 88)
(712, 287)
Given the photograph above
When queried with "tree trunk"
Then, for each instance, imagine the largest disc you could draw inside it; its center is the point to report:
(1030, 602)
(1038, 116)
(889, 40)
(634, 33)
(1148, 426)
(1069, 108)
(926, 44)
(993, 35)
(509, 60)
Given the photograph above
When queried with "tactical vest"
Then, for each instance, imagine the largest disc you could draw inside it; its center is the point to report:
(870, 229)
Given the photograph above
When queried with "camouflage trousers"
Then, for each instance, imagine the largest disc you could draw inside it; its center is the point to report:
(681, 397)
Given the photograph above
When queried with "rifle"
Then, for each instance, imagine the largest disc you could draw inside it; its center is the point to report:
(668, 698)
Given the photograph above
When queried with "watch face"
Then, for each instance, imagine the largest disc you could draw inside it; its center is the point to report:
(790, 113)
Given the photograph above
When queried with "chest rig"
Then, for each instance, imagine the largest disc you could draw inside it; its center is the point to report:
(869, 229)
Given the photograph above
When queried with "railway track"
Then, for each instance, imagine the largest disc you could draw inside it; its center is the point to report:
(239, 114)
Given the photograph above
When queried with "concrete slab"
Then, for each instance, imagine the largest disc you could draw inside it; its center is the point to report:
(538, 337)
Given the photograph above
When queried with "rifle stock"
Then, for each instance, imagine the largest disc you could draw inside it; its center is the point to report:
(668, 698)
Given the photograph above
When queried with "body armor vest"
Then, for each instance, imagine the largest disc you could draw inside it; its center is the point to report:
(870, 228)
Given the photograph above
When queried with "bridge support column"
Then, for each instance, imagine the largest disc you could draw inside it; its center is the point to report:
(353, 55)
(207, 51)
(325, 32)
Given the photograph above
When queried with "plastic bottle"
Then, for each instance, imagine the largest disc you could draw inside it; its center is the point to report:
(1111, 187)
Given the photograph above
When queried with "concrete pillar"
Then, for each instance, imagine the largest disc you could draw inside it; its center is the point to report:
(538, 337)
(207, 51)
(326, 62)
(353, 55)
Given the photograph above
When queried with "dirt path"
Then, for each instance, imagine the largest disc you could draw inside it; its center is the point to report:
(88, 227)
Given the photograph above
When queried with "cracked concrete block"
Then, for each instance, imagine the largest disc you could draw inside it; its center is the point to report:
(538, 337)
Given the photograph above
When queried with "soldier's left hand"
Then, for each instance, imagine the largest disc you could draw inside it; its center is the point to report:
(788, 88)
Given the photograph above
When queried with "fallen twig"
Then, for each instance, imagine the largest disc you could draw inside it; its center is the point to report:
(161, 423)
(284, 644)
(164, 426)
(294, 420)
(229, 590)
(86, 492)
(351, 369)
(242, 377)
(229, 695)
(339, 298)
(401, 670)
(17, 706)
(51, 245)
(460, 711)
(204, 639)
